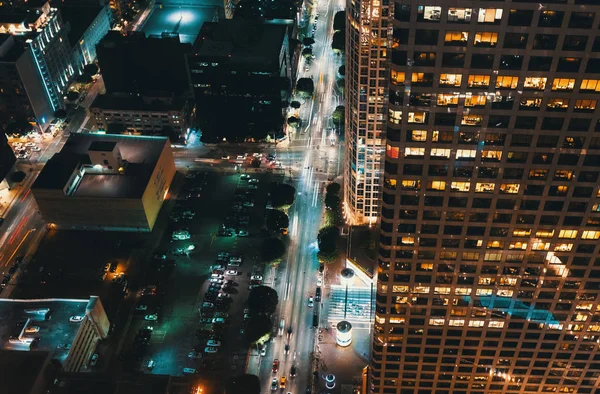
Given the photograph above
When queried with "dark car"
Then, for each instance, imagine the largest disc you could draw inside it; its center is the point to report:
(1, 221)
(113, 266)
(318, 294)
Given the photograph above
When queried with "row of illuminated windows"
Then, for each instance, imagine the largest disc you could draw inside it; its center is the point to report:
(393, 152)
(495, 244)
(493, 16)
(501, 82)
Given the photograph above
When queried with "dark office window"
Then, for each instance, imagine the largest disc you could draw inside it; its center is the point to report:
(399, 57)
(513, 173)
(552, 123)
(400, 36)
(465, 172)
(426, 59)
(574, 43)
(515, 40)
(547, 141)
(581, 20)
(596, 45)
(453, 59)
(593, 66)
(392, 168)
(545, 41)
(511, 62)
(521, 139)
(445, 119)
(591, 160)
(426, 37)
(410, 169)
(482, 61)
(520, 17)
(568, 64)
(525, 122)
(568, 159)
(543, 158)
(551, 18)
(505, 203)
(540, 63)
(488, 172)
(579, 124)
(396, 97)
(402, 12)
(498, 121)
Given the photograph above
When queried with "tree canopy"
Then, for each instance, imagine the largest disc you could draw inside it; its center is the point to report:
(327, 239)
(243, 384)
(276, 220)
(262, 300)
(307, 53)
(339, 21)
(342, 70)
(295, 104)
(333, 188)
(339, 115)
(307, 41)
(305, 87)
(257, 327)
(282, 194)
(293, 121)
(83, 78)
(272, 250)
(338, 44)
(19, 125)
(91, 69)
(72, 95)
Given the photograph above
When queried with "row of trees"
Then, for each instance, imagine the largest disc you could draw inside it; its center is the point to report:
(330, 233)
(262, 303)
(338, 43)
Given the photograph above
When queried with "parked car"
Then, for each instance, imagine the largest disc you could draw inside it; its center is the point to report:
(211, 349)
(213, 343)
(94, 360)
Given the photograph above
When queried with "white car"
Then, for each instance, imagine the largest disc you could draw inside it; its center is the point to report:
(240, 157)
(94, 360)
(216, 280)
(76, 319)
(235, 259)
(243, 233)
(141, 307)
(22, 156)
(30, 144)
(17, 144)
(218, 320)
(153, 317)
(193, 354)
(319, 281)
(310, 302)
(263, 351)
(256, 277)
(181, 235)
(211, 349)
(231, 272)
(213, 343)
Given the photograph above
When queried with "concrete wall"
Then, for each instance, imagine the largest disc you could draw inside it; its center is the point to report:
(159, 184)
(89, 213)
(38, 96)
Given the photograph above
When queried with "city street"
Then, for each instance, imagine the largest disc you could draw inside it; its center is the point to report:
(316, 161)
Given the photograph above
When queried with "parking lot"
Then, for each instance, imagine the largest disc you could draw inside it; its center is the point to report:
(197, 286)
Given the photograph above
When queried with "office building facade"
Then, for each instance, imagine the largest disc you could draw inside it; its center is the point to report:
(488, 272)
(368, 30)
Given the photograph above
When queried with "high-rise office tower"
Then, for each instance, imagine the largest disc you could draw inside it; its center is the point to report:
(368, 33)
(489, 263)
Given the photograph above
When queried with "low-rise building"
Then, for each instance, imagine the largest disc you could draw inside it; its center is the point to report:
(69, 330)
(7, 160)
(106, 182)
(127, 114)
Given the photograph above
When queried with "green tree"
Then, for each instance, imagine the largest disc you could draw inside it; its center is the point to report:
(339, 21)
(293, 121)
(307, 53)
(91, 69)
(243, 384)
(342, 70)
(272, 250)
(72, 95)
(282, 194)
(305, 87)
(339, 115)
(257, 327)
(18, 126)
(295, 104)
(308, 41)
(332, 202)
(327, 239)
(276, 220)
(83, 78)
(338, 44)
(333, 188)
(262, 300)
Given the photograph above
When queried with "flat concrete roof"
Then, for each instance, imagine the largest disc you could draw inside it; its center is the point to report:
(55, 327)
(135, 103)
(140, 152)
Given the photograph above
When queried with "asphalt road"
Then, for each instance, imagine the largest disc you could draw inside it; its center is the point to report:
(312, 156)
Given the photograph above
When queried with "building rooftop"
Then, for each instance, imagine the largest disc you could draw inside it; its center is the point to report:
(20, 370)
(246, 43)
(53, 331)
(80, 17)
(135, 64)
(140, 152)
(102, 146)
(128, 102)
